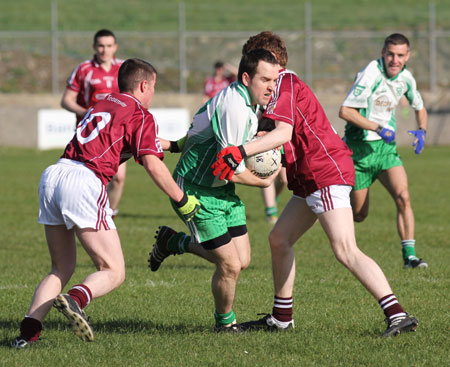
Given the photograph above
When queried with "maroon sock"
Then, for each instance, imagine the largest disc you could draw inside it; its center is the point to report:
(390, 306)
(81, 295)
(30, 329)
(282, 308)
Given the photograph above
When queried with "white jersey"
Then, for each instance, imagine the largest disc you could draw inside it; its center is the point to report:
(376, 96)
(226, 119)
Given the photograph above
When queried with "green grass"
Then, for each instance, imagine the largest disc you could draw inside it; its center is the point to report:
(222, 15)
(166, 318)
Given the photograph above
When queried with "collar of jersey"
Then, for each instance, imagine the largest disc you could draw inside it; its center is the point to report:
(243, 91)
(97, 64)
(383, 70)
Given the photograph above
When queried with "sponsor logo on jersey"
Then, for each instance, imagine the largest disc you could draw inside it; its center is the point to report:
(382, 102)
(358, 90)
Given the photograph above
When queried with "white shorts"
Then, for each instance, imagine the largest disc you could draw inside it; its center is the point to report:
(329, 198)
(71, 194)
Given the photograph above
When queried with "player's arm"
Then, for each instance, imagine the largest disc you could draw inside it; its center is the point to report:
(249, 179)
(353, 116)
(230, 157)
(175, 146)
(420, 134)
(422, 119)
(69, 102)
(188, 206)
(271, 140)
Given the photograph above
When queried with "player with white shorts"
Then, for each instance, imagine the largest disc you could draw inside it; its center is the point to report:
(73, 199)
(320, 173)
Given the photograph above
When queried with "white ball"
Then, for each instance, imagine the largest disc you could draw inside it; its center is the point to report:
(264, 164)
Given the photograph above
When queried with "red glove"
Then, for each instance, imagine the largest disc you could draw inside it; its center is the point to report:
(228, 160)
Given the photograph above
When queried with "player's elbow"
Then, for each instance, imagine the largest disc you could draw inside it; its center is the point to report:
(343, 113)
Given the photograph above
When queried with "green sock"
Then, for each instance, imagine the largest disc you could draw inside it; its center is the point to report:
(271, 211)
(179, 243)
(408, 249)
(224, 318)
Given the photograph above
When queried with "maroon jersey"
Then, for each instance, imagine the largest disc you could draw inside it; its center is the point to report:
(92, 82)
(112, 131)
(212, 87)
(316, 156)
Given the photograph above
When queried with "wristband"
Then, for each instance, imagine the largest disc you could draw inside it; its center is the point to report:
(174, 148)
(183, 201)
(242, 150)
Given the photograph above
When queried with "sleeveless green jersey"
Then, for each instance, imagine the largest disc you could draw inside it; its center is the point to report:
(376, 96)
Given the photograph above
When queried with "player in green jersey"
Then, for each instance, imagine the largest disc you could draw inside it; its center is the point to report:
(369, 110)
(219, 232)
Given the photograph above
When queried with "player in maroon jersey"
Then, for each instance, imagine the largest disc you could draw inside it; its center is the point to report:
(90, 82)
(321, 175)
(73, 200)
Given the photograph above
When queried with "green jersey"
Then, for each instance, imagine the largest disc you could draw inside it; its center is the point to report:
(226, 119)
(376, 96)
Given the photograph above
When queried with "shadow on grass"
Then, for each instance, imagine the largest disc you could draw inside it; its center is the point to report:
(112, 327)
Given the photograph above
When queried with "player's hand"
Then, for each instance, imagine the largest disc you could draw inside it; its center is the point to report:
(188, 207)
(177, 146)
(228, 160)
(419, 139)
(386, 134)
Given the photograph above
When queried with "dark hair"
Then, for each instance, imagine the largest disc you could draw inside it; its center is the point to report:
(218, 65)
(270, 42)
(132, 72)
(249, 61)
(103, 33)
(396, 39)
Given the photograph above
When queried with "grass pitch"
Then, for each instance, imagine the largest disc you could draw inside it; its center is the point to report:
(166, 318)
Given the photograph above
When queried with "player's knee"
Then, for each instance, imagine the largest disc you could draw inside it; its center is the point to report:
(345, 254)
(277, 241)
(359, 217)
(230, 268)
(245, 263)
(403, 200)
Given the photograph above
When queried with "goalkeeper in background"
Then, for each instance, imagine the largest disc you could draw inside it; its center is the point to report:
(369, 110)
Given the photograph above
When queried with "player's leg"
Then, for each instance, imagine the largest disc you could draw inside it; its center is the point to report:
(338, 226)
(395, 181)
(62, 248)
(224, 282)
(294, 221)
(270, 204)
(360, 204)
(103, 246)
(115, 187)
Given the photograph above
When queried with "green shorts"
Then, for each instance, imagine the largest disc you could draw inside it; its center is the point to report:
(370, 158)
(221, 209)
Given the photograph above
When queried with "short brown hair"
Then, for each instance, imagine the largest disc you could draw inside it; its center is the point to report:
(132, 72)
(270, 42)
(396, 39)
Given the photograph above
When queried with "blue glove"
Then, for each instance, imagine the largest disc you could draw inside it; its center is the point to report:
(419, 141)
(387, 135)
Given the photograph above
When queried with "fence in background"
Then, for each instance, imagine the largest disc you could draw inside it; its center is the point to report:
(41, 61)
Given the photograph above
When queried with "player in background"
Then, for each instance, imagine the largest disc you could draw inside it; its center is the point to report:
(271, 194)
(73, 200)
(219, 232)
(223, 76)
(321, 175)
(90, 82)
(369, 110)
